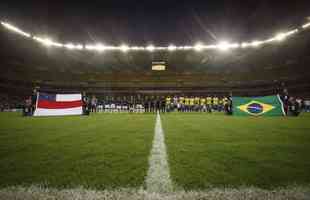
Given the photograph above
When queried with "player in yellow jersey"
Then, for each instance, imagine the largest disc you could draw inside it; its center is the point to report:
(196, 103)
(220, 107)
(192, 103)
(209, 103)
(187, 104)
(168, 103)
(181, 104)
(215, 103)
(203, 107)
(197, 100)
(225, 101)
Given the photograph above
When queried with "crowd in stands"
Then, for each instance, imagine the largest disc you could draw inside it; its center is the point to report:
(294, 106)
(9, 102)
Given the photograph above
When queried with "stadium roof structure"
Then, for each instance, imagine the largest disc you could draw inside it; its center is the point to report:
(222, 46)
(31, 57)
(30, 63)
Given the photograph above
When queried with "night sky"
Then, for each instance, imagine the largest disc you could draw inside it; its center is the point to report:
(158, 22)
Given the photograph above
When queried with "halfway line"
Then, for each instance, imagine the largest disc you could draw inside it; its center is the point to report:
(158, 176)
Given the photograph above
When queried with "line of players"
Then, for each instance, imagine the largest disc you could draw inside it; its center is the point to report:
(164, 104)
(195, 104)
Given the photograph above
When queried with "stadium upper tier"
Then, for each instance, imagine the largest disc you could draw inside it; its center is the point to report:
(29, 63)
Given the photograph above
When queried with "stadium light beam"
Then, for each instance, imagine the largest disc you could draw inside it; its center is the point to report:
(136, 48)
(124, 48)
(48, 42)
(172, 48)
(79, 46)
(100, 47)
(15, 29)
(280, 37)
(71, 46)
(256, 43)
(306, 25)
(150, 48)
(245, 45)
(223, 46)
(198, 47)
(89, 47)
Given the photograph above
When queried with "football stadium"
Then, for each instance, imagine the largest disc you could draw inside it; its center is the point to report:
(155, 100)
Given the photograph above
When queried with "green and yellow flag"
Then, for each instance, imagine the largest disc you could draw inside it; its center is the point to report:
(258, 106)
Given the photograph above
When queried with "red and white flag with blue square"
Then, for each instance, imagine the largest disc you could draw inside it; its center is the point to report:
(58, 104)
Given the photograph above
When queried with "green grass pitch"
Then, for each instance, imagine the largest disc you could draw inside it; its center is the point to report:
(100, 151)
(225, 151)
(111, 150)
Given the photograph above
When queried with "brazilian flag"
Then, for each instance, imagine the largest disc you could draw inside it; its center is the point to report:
(258, 106)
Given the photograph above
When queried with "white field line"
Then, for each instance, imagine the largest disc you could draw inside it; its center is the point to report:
(158, 176)
(251, 193)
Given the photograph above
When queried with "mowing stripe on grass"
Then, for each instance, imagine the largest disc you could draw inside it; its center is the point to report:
(158, 176)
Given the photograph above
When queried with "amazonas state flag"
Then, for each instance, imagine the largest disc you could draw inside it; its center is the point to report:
(58, 104)
(258, 106)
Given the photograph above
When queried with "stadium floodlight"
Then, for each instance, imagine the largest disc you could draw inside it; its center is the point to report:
(97, 47)
(69, 46)
(57, 44)
(161, 48)
(245, 44)
(100, 47)
(124, 48)
(48, 42)
(211, 47)
(280, 36)
(186, 47)
(292, 32)
(89, 47)
(172, 48)
(15, 29)
(270, 40)
(235, 45)
(198, 47)
(150, 48)
(79, 46)
(136, 48)
(306, 25)
(256, 43)
(224, 46)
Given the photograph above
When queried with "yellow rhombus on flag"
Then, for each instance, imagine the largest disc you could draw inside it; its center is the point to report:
(256, 108)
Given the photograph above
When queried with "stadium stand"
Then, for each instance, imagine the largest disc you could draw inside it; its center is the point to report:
(256, 72)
